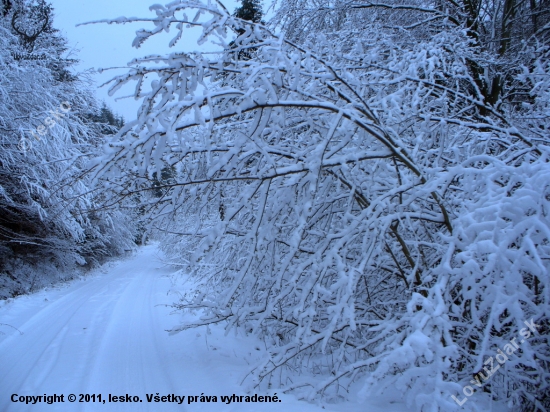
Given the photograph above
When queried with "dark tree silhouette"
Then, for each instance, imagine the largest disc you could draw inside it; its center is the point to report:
(250, 10)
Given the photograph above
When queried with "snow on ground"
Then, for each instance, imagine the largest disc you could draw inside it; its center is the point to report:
(106, 334)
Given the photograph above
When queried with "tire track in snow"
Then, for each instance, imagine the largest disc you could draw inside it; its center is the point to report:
(129, 331)
(33, 351)
(107, 335)
(58, 351)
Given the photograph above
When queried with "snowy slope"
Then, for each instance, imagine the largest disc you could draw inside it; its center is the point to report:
(105, 334)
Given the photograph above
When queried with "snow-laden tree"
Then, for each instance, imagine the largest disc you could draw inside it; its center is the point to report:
(48, 211)
(355, 191)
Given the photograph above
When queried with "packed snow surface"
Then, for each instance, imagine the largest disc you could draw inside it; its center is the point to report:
(106, 334)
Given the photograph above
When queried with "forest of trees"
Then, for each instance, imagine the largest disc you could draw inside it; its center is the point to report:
(364, 185)
(50, 126)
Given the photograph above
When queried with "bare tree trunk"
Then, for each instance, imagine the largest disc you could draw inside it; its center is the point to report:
(508, 15)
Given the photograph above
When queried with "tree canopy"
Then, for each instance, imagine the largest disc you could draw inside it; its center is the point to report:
(368, 190)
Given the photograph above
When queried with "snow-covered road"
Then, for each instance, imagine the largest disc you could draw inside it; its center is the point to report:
(105, 334)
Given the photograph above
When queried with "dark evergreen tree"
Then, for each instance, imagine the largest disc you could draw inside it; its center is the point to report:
(106, 121)
(250, 10)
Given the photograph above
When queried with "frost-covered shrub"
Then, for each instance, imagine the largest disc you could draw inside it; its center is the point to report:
(353, 192)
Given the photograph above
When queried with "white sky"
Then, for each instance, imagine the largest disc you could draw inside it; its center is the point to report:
(110, 45)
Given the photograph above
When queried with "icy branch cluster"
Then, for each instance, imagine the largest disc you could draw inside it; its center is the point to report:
(355, 188)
